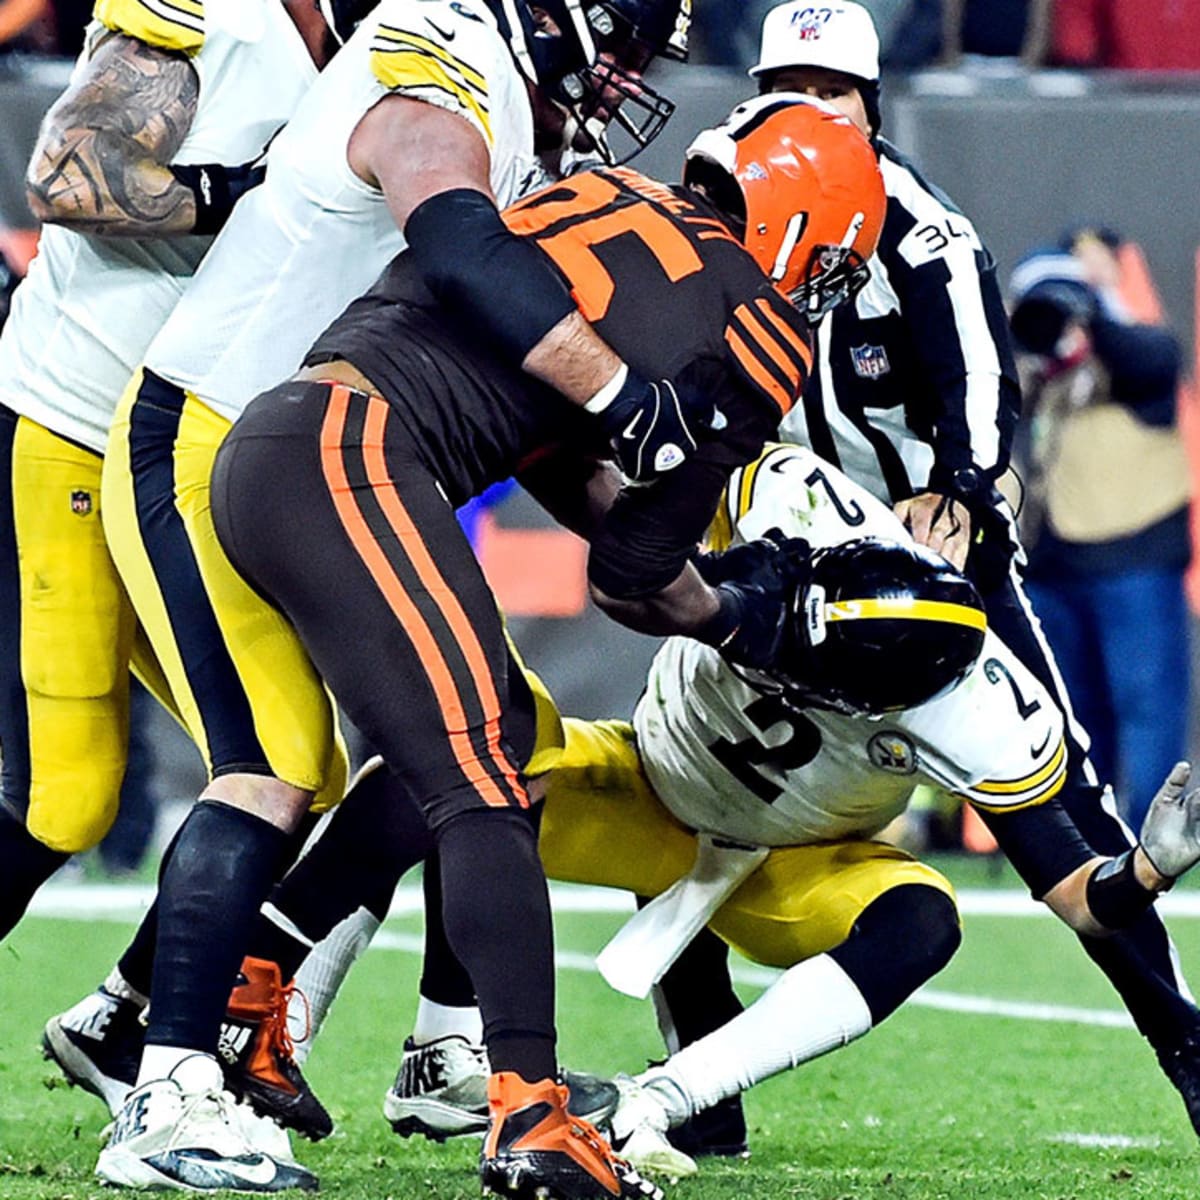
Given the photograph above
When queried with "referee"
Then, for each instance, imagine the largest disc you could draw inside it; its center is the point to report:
(914, 394)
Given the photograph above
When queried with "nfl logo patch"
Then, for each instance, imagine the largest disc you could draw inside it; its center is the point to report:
(809, 23)
(870, 362)
(81, 503)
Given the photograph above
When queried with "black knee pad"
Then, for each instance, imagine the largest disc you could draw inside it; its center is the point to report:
(900, 940)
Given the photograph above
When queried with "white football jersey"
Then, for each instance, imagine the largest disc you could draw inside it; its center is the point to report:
(728, 757)
(314, 236)
(83, 319)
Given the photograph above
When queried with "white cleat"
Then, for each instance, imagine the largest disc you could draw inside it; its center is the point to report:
(639, 1132)
(187, 1133)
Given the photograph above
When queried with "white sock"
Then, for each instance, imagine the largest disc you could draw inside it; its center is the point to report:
(159, 1061)
(116, 985)
(435, 1021)
(321, 974)
(814, 1007)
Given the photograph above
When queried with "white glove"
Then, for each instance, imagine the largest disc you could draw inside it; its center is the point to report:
(1171, 832)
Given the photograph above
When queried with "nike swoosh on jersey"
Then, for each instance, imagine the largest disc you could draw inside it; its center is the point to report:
(1036, 751)
(630, 430)
(442, 33)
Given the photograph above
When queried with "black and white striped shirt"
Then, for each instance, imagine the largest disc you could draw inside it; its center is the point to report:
(915, 380)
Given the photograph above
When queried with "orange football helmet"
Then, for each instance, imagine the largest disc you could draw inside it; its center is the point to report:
(806, 183)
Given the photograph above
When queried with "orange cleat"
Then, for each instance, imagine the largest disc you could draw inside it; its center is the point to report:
(255, 1051)
(535, 1149)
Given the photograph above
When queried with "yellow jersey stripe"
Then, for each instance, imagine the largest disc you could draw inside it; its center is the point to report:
(388, 38)
(896, 608)
(1051, 789)
(1012, 787)
(403, 69)
(167, 24)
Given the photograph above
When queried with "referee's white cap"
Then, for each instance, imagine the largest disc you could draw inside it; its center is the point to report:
(838, 37)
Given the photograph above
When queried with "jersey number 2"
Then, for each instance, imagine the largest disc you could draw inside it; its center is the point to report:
(742, 759)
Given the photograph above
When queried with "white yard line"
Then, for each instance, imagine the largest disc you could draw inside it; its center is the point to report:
(125, 902)
(1105, 1141)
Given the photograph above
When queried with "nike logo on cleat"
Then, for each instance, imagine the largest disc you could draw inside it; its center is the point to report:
(208, 1170)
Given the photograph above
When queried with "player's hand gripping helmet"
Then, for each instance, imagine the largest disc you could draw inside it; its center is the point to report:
(343, 16)
(591, 69)
(878, 627)
(806, 185)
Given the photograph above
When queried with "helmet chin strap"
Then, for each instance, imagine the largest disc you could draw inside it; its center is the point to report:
(590, 131)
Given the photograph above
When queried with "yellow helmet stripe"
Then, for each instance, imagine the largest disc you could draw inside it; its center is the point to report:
(898, 609)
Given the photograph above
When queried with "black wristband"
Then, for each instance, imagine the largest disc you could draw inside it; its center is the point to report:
(516, 299)
(214, 200)
(1114, 894)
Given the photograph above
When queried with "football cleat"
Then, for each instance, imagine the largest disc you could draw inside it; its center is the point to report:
(535, 1149)
(440, 1091)
(255, 1050)
(185, 1133)
(1181, 1065)
(639, 1132)
(97, 1044)
(718, 1132)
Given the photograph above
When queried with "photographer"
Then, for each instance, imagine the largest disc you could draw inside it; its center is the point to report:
(1106, 521)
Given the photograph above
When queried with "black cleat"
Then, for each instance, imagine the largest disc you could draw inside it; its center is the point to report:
(718, 1132)
(1181, 1065)
(97, 1044)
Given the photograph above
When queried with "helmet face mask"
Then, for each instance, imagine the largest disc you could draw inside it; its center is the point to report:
(587, 56)
(881, 627)
(809, 192)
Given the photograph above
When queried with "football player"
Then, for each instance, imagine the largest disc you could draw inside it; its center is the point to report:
(429, 117)
(137, 165)
(917, 401)
(353, 470)
(747, 801)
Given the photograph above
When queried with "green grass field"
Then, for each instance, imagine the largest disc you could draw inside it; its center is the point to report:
(934, 1104)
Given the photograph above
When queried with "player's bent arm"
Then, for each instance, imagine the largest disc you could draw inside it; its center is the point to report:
(1099, 895)
(100, 164)
(433, 166)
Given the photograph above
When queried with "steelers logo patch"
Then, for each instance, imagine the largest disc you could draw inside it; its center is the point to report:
(893, 752)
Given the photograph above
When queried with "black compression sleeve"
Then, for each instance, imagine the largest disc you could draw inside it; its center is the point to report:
(471, 262)
(1041, 842)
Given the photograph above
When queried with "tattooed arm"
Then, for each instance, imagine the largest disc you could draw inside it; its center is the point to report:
(100, 165)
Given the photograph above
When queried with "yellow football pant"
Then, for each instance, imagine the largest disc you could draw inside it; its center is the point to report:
(604, 825)
(271, 698)
(78, 639)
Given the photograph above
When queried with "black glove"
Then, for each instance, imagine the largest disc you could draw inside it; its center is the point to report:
(758, 585)
(655, 426)
(218, 188)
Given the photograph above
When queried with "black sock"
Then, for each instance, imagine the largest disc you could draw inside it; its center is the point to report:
(444, 980)
(220, 869)
(901, 939)
(136, 965)
(696, 995)
(25, 864)
(374, 836)
(497, 913)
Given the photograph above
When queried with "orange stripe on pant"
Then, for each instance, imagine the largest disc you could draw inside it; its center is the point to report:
(432, 660)
(435, 584)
